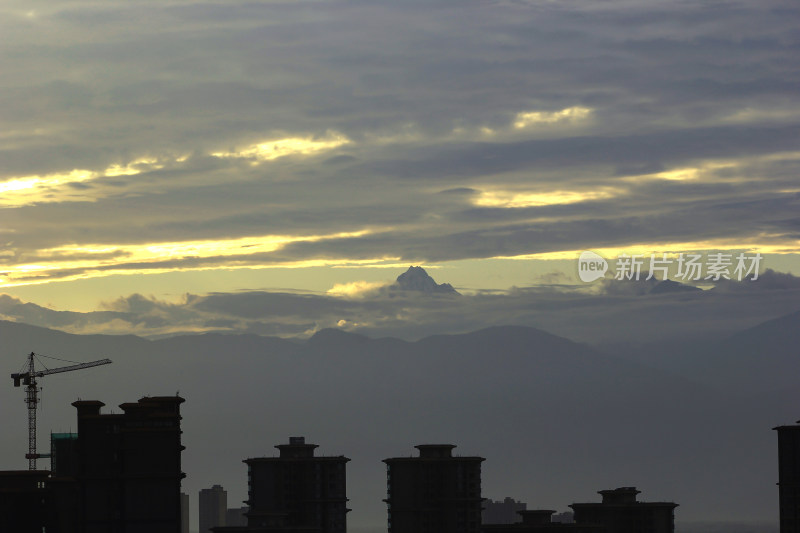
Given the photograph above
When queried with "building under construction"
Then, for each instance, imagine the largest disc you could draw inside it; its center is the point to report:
(119, 473)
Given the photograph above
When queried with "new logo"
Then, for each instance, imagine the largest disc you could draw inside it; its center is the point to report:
(591, 266)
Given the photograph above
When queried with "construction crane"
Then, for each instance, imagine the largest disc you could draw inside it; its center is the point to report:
(32, 396)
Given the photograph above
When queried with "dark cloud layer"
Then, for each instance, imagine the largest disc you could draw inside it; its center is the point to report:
(495, 98)
(611, 312)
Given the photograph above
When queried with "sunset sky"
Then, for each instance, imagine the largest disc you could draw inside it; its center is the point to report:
(158, 154)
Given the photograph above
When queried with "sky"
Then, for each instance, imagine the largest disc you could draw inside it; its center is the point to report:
(163, 159)
(271, 167)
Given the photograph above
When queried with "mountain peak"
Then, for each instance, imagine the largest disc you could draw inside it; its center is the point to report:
(668, 285)
(416, 279)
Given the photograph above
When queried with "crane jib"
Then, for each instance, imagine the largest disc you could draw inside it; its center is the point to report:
(26, 376)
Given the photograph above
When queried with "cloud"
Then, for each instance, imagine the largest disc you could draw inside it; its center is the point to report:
(615, 311)
(356, 289)
(769, 280)
(185, 136)
(527, 119)
(269, 150)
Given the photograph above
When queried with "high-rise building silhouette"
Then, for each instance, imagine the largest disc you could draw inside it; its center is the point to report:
(184, 513)
(620, 512)
(127, 466)
(212, 508)
(789, 477)
(435, 492)
(295, 492)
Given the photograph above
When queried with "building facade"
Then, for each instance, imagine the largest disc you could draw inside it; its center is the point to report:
(297, 490)
(185, 522)
(26, 501)
(212, 508)
(435, 492)
(236, 516)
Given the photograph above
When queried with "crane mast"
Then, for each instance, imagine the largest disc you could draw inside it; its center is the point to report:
(32, 397)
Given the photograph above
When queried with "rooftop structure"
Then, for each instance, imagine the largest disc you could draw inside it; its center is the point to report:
(620, 512)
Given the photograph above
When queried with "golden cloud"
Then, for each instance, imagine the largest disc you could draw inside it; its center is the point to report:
(527, 119)
(273, 149)
(515, 199)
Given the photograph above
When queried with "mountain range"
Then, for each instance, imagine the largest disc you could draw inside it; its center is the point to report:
(556, 420)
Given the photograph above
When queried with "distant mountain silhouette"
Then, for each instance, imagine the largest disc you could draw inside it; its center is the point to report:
(416, 279)
(646, 286)
(669, 285)
(336, 337)
(763, 358)
(554, 418)
(783, 331)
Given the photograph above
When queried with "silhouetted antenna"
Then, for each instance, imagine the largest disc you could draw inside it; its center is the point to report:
(32, 394)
